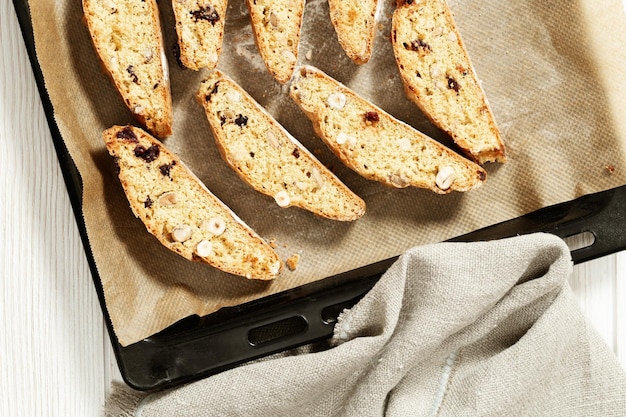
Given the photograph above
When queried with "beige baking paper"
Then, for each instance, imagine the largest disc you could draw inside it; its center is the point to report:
(553, 73)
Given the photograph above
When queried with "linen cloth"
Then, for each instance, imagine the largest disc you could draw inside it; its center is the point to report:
(451, 329)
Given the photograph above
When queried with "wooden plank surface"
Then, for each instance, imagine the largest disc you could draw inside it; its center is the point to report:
(55, 357)
(52, 338)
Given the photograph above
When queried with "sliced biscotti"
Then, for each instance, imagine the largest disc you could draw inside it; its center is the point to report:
(376, 145)
(355, 25)
(439, 77)
(277, 25)
(200, 30)
(181, 212)
(127, 37)
(268, 158)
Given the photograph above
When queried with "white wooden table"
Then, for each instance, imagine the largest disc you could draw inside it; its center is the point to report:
(55, 357)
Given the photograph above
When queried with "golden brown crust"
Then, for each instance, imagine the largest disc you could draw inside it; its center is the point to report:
(376, 145)
(181, 212)
(439, 78)
(268, 158)
(128, 40)
(276, 25)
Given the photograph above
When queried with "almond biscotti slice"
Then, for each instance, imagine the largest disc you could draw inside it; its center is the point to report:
(439, 77)
(181, 212)
(355, 25)
(277, 25)
(376, 145)
(200, 30)
(268, 158)
(128, 40)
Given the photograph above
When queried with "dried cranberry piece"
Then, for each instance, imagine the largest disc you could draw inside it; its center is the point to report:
(131, 71)
(241, 120)
(213, 91)
(166, 168)
(296, 153)
(205, 13)
(453, 85)
(372, 116)
(147, 155)
(127, 134)
(148, 202)
(418, 45)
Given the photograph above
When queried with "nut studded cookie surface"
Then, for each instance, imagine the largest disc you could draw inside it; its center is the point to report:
(376, 145)
(200, 30)
(438, 76)
(277, 25)
(355, 24)
(181, 212)
(127, 37)
(268, 158)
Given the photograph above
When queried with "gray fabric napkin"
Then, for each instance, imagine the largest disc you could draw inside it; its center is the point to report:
(451, 329)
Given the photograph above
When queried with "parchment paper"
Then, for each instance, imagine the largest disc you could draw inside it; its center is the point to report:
(553, 73)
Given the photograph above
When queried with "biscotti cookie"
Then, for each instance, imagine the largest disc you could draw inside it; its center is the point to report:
(376, 145)
(127, 37)
(200, 30)
(277, 25)
(268, 158)
(439, 77)
(181, 212)
(355, 25)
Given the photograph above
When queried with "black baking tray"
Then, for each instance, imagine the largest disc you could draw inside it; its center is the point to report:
(196, 347)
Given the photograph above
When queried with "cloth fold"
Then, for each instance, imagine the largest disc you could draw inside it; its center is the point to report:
(472, 329)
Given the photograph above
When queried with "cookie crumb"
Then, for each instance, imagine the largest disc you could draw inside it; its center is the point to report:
(292, 262)
(610, 169)
(272, 243)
